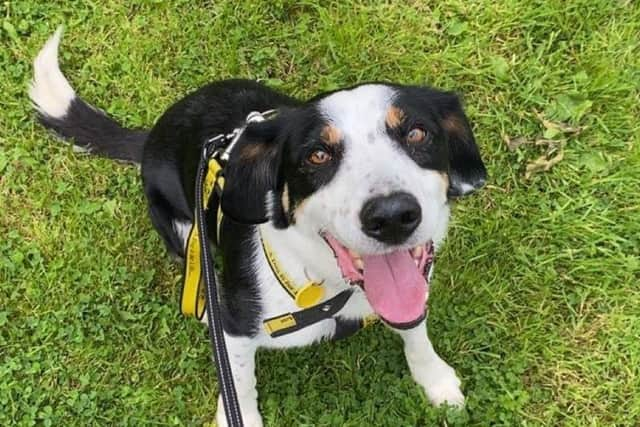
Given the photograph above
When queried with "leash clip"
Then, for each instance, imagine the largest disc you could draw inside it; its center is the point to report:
(220, 146)
(212, 146)
(252, 117)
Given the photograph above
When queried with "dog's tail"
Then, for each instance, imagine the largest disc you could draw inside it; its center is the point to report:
(61, 110)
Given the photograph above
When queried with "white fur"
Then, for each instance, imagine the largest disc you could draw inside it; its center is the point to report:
(242, 352)
(182, 229)
(79, 149)
(373, 165)
(465, 188)
(436, 377)
(50, 91)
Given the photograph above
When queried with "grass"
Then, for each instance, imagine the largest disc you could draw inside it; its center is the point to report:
(535, 301)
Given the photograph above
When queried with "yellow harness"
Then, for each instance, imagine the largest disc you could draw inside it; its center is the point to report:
(308, 295)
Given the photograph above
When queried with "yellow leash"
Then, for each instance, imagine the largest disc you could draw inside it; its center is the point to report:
(192, 300)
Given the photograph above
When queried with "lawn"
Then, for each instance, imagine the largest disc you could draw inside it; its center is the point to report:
(535, 301)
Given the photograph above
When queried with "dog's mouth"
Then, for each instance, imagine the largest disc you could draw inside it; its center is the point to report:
(394, 283)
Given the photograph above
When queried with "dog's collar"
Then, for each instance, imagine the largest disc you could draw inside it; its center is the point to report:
(309, 298)
(305, 296)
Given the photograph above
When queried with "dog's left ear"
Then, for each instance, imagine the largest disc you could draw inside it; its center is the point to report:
(252, 173)
(467, 172)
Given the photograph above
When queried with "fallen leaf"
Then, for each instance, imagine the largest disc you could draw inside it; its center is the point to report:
(550, 143)
(543, 164)
(553, 129)
(514, 143)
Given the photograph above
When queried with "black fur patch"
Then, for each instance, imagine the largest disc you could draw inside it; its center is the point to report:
(286, 143)
(240, 297)
(304, 136)
(93, 130)
(173, 149)
(452, 147)
(346, 327)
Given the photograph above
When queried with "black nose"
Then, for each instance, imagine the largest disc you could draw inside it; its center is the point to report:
(391, 219)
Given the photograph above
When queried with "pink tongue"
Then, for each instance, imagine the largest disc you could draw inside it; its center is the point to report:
(394, 287)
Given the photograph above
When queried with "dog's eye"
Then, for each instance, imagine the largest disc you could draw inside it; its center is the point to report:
(319, 157)
(416, 136)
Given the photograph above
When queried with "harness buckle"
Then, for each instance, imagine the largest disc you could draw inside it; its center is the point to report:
(212, 146)
(252, 117)
(221, 145)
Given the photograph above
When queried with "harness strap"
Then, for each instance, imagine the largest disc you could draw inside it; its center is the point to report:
(291, 322)
(311, 293)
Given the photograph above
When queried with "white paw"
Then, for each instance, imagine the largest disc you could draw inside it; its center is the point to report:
(441, 384)
(250, 414)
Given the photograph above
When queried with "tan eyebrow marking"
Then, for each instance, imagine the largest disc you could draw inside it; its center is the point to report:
(454, 124)
(252, 151)
(395, 116)
(331, 135)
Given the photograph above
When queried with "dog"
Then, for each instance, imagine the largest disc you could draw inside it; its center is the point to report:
(350, 190)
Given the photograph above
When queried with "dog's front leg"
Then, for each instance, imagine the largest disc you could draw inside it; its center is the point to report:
(242, 353)
(438, 379)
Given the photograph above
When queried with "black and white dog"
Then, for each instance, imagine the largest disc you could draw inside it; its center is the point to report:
(354, 183)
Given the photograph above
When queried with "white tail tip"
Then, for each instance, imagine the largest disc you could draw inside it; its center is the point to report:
(50, 91)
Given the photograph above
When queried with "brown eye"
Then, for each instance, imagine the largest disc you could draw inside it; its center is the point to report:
(416, 136)
(319, 157)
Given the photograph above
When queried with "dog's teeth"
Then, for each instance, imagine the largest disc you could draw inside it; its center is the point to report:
(417, 251)
(354, 254)
(358, 263)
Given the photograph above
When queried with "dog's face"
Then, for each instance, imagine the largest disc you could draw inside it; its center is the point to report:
(371, 169)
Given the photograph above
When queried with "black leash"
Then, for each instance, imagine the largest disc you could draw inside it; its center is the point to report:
(214, 318)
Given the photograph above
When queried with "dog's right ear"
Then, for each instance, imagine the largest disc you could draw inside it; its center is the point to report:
(467, 172)
(252, 172)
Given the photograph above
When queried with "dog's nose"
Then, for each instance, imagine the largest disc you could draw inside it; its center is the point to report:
(391, 219)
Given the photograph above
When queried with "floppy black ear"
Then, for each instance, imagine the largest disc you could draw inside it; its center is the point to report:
(252, 173)
(467, 172)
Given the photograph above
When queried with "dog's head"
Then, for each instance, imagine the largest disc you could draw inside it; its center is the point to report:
(371, 169)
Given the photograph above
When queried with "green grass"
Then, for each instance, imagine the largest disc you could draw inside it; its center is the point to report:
(535, 301)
